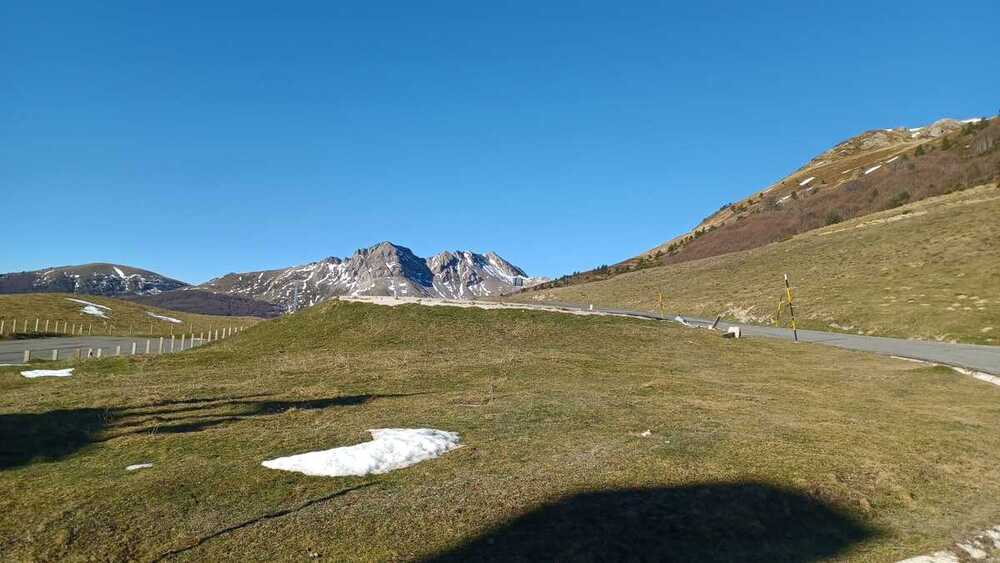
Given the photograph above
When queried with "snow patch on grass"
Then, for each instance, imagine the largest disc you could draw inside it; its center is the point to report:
(91, 308)
(984, 546)
(872, 169)
(389, 449)
(995, 380)
(82, 302)
(138, 466)
(163, 318)
(94, 311)
(30, 374)
(807, 180)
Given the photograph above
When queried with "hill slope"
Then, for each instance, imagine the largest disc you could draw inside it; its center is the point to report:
(383, 269)
(110, 280)
(928, 270)
(872, 172)
(103, 315)
(585, 438)
(191, 300)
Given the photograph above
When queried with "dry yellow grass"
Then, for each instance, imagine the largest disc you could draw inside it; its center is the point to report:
(756, 450)
(929, 270)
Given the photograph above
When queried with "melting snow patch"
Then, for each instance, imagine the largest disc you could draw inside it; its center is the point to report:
(93, 310)
(936, 557)
(47, 373)
(872, 169)
(120, 273)
(893, 159)
(389, 449)
(82, 302)
(682, 321)
(995, 380)
(162, 318)
(807, 180)
(139, 466)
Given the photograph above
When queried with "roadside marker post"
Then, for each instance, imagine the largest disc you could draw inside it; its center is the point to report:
(36, 324)
(46, 326)
(133, 348)
(171, 342)
(118, 350)
(55, 355)
(160, 351)
(182, 341)
(98, 355)
(791, 309)
(147, 345)
(27, 355)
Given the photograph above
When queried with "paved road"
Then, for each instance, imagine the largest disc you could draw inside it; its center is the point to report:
(12, 351)
(971, 356)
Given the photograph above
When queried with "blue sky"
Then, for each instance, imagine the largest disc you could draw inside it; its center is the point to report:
(200, 138)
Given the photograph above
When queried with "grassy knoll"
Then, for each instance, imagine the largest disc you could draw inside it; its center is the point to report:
(123, 319)
(928, 270)
(756, 450)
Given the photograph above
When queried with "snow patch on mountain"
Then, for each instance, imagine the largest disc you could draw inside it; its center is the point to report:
(385, 269)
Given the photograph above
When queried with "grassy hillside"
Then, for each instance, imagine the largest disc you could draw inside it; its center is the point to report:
(584, 438)
(206, 302)
(929, 270)
(876, 171)
(121, 318)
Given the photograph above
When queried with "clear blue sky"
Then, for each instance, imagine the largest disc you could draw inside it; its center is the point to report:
(199, 138)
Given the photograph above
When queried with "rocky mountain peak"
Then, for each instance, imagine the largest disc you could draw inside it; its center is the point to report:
(382, 269)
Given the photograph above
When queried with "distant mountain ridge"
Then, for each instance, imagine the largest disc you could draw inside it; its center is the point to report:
(382, 269)
(110, 280)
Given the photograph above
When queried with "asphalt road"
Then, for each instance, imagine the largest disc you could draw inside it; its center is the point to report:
(12, 351)
(971, 356)
(985, 359)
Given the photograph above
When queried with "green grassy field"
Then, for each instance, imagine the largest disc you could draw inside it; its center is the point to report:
(928, 270)
(123, 319)
(585, 438)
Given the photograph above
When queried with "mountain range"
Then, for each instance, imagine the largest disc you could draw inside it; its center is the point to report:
(875, 171)
(383, 269)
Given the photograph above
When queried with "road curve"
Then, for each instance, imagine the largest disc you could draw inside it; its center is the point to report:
(985, 359)
(976, 357)
(12, 351)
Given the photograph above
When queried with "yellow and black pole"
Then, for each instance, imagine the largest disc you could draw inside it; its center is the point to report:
(791, 310)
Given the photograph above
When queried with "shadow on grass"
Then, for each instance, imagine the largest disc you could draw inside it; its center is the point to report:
(703, 522)
(52, 435)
